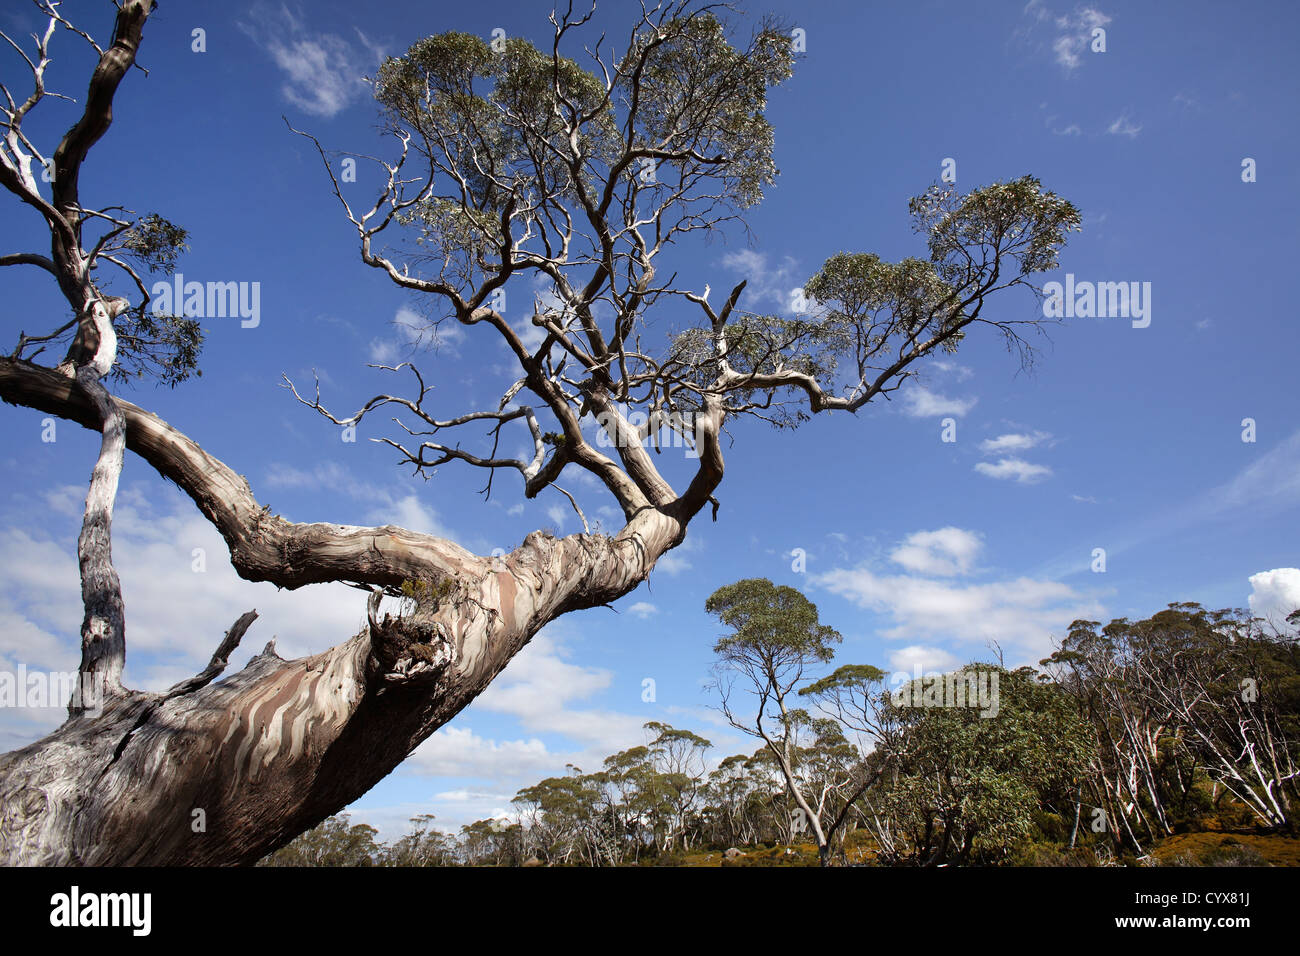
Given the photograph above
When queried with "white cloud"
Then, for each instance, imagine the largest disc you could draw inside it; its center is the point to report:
(773, 285)
(176, 615)
(643, 609)
(1275, 594)
(676, 561)
(558, 516)
(410, 513)
(959, 372)
(1015, 441)
(539, 689)
(1272, 480)
(945, 552)
(1074, 36)
(388, 505)
(383, 352)
(459, 752)
(1016, 469)
(920, 402)
(918, 658)
(1268, 486)
(1024, 613)
(413, 331)
(323, 73)
(1124, 126)
(673, 564)
(538, 685)
(324, 476)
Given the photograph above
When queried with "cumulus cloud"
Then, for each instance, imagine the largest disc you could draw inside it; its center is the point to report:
(677, 560)
(945, 552)
(407, 511)
(1275, 594)
(545, 693)
(920, 402)
(643, 609)
(918, 658)
(1014, 441)
(181, 595)
(387, 504)
(1023, 612)
(541, 682)
(459, 752)
(1014, 469)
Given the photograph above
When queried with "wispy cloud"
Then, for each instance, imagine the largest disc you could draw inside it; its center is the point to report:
(1124, 126)
(386, 504)
(1267, 486)
(1014, 469)
(1271, 481)
(413, 331)
(323, 72)
(1068, 36)
(771, 285)
(1074, 36)
(676, 561)
(1013, 441)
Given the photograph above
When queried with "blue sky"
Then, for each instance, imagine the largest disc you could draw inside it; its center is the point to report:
(920, 551)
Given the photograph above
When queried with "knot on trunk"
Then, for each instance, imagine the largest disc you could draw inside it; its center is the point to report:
(407, 649)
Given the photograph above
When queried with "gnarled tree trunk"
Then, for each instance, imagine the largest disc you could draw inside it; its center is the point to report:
(279, 746)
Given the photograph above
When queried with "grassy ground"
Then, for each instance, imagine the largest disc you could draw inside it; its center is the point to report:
(1210, 848)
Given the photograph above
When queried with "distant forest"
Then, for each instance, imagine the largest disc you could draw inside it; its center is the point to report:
(1168, 740)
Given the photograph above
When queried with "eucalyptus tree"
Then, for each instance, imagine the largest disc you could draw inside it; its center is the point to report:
(1185, 696)
(334, 842)
(565, 817)
(727, 797)
(773, 640)
(580, 165)
(1231, 684)
(494, 843)
(422, 845)
(855, 700)
(966, 782)
(679, 756)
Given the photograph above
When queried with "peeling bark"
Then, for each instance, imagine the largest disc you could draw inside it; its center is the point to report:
(279, 746)
(222, 772)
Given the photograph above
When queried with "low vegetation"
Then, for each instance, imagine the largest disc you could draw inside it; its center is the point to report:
(1170, 741)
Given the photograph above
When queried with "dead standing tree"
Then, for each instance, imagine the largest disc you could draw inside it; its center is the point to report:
(514, 163)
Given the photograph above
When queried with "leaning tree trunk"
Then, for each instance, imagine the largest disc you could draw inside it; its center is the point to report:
(222, 773)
